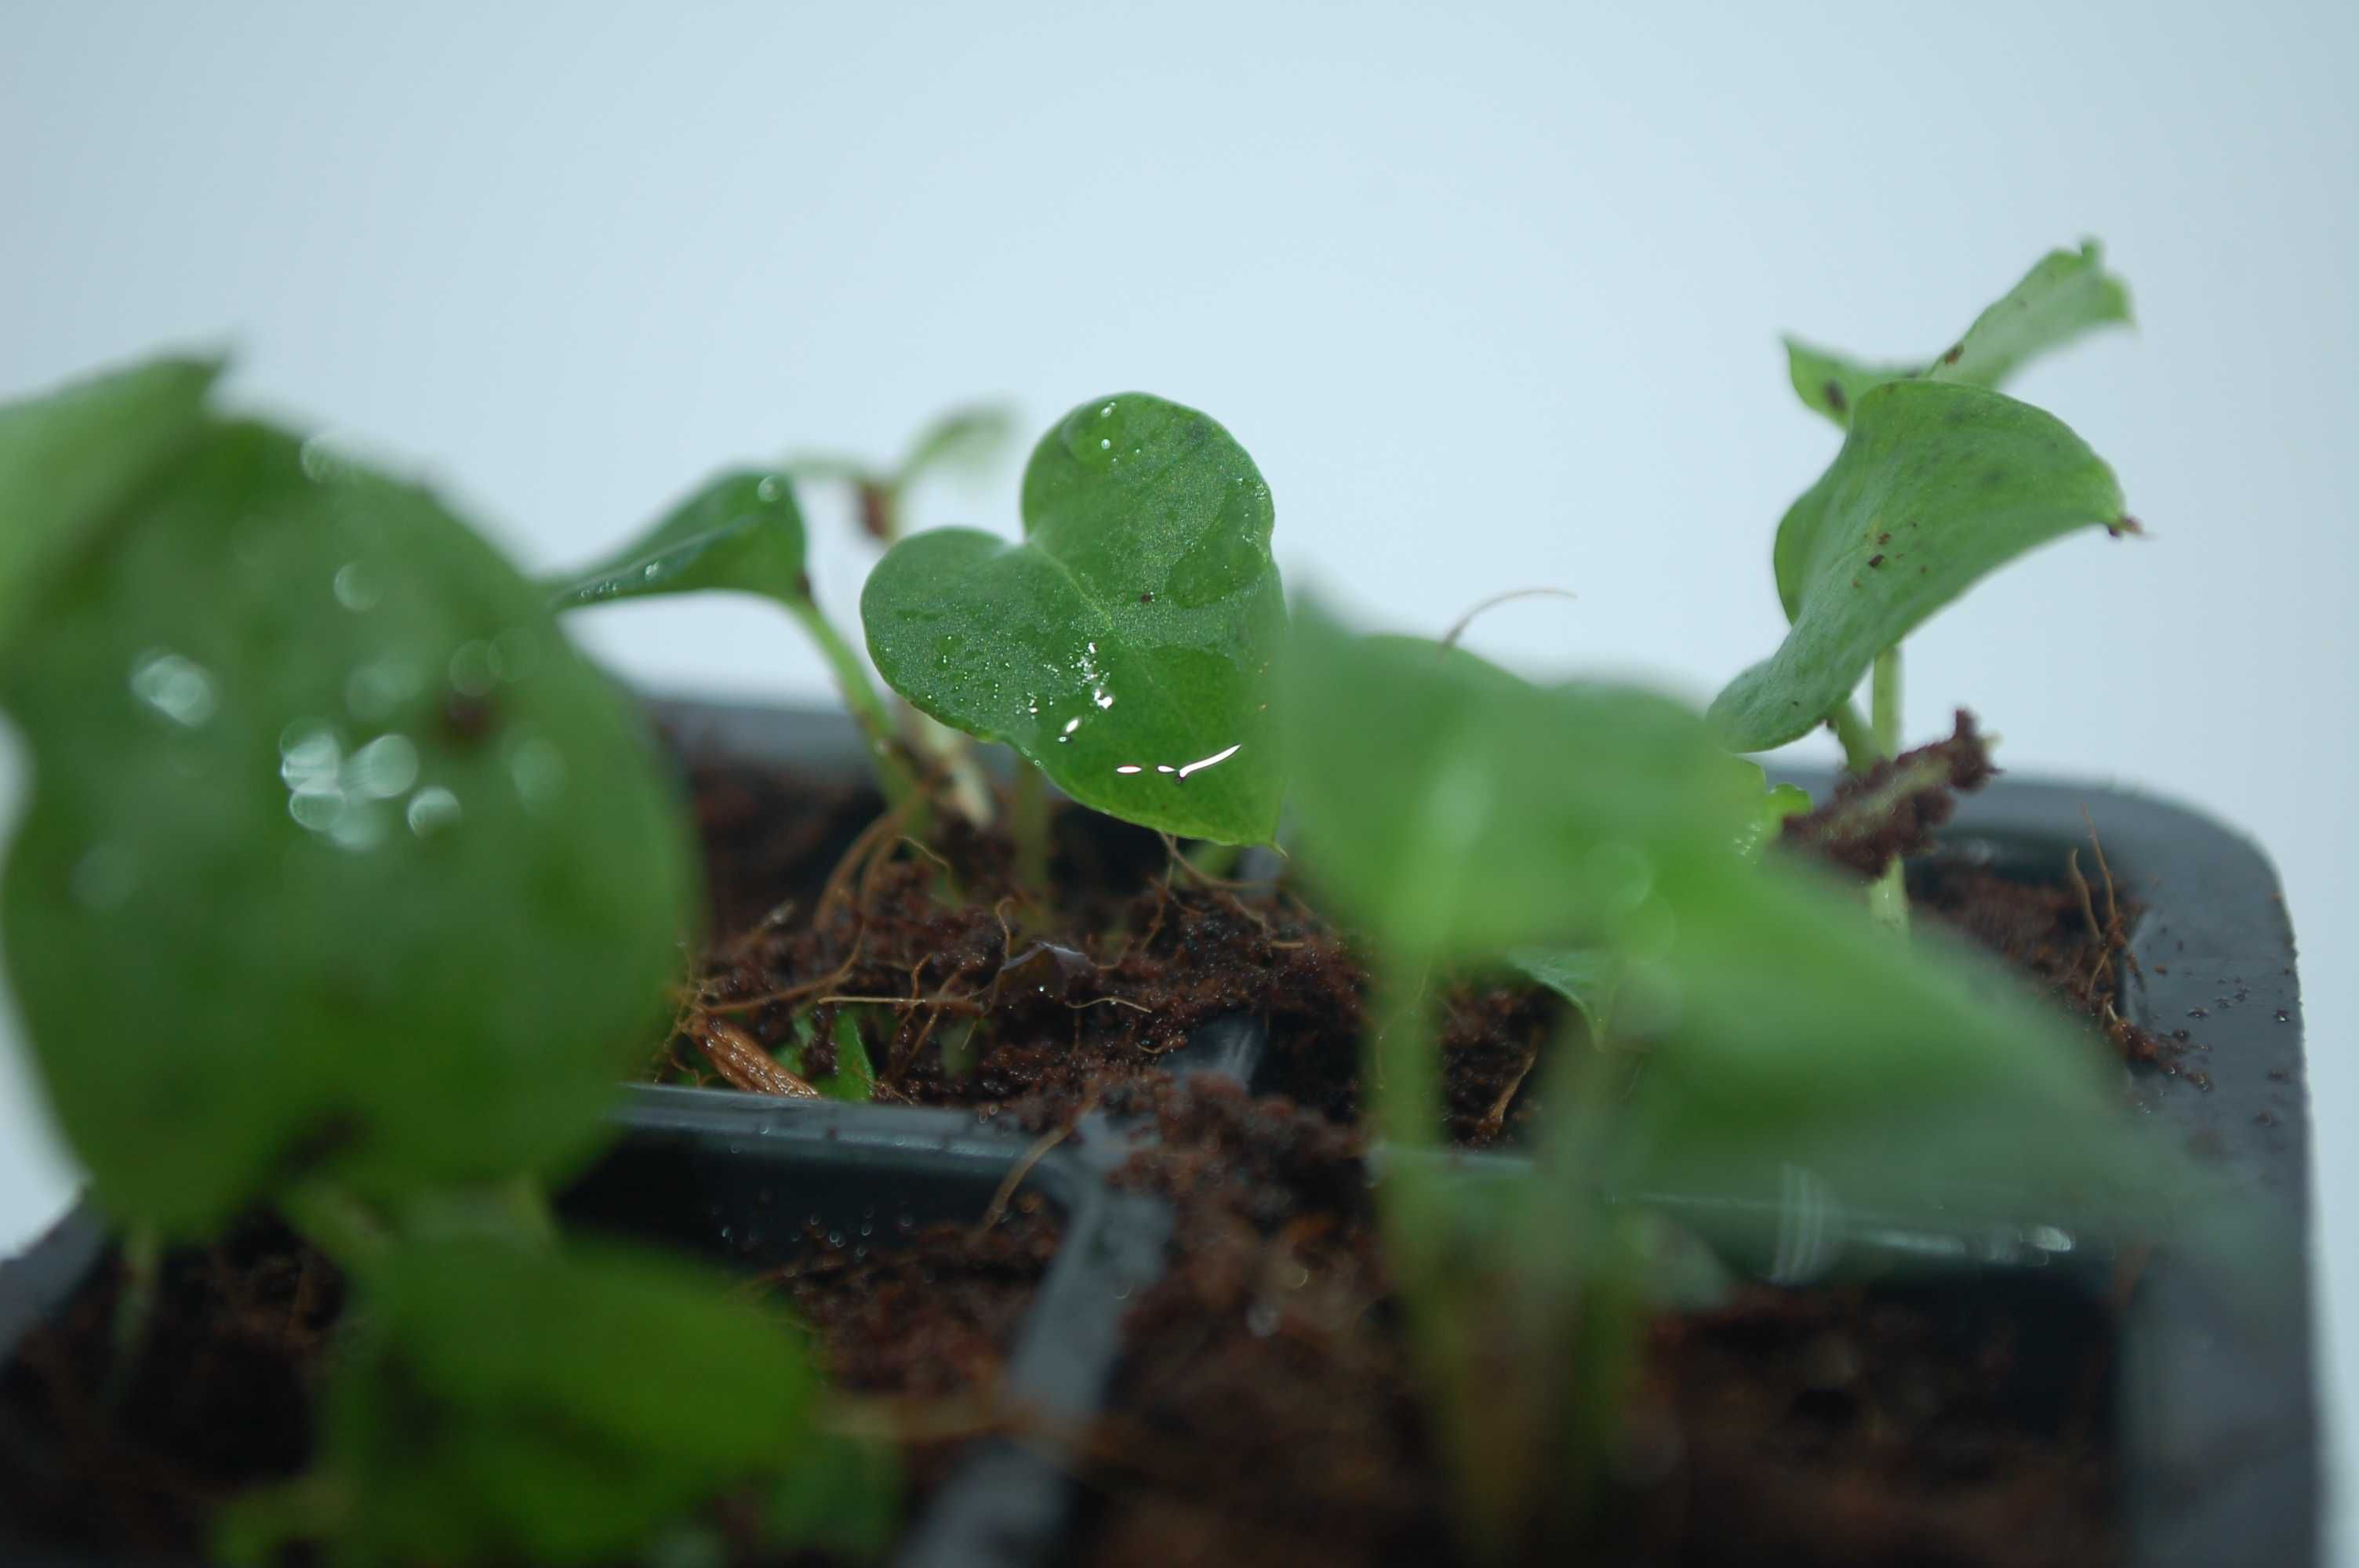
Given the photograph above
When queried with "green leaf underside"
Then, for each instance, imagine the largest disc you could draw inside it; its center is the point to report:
(70, 458)
(1126, 646)
(2066, 294)
(1586, 977)
(1937, 484)
(516, 1405)
(338, 859)
(742, 530)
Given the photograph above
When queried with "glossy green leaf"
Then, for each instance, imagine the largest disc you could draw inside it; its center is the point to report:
(69, 460)
(741, 530)
(1456, 810)
(2068, 293)
(510, 1404)
(1127, 645)
(337, 859)
(1937, 484)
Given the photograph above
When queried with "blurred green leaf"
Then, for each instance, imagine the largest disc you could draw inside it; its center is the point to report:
(2067, 294)
(840, 1495)
(72, 458)
(510, 1404)
(963, 440)
(1458, 812)
(1937, 485)
(741, 530)
(1585, 977)
(1126, 646)
(338, 859)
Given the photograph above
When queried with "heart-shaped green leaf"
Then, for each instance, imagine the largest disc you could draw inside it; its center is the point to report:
(1937, 484)
(68, 460)
(1127, 645)
(337, 856)
(741, 530)
(516, 1405)
(2067, 294)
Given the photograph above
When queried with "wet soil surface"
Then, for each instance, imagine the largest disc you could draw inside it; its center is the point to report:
(1266, 1411)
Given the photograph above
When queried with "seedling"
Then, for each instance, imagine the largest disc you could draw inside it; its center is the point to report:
(743, 532)
(965, 440)
(1940, 481)
(1126, 646)
(405, 887)
(1592, 832)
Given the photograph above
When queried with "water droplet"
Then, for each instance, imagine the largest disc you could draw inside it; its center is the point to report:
(356, 586)
(1215, 760)
(1105, 444)
(383, 769)
(768, 489)
(359, 827)
(432, 810)
(374, 690)
(1128, 768)
(311, 757)
(180, 688)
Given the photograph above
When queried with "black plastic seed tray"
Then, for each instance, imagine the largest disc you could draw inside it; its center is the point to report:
(2215, 1423)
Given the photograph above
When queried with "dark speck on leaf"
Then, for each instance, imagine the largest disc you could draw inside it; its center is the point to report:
(1883, 538)
(803, 584)
(1835, 394)
(1957, 351)
(467, 717)
(1875, 560)
(1147, 598)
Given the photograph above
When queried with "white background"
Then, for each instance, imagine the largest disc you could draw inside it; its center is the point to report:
(1492, 295)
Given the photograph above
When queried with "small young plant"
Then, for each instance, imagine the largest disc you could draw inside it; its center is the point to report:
(1126, 646)
(347, 886)
(965, 440)
(743, 532)
(1940, 480)
(1749, 1023)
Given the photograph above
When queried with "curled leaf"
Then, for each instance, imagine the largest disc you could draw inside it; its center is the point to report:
(2067, 294)
(1937, 484)
(741, 530)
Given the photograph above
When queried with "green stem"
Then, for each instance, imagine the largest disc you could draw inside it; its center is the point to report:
(893, 774)
(1888, 899)
(143, 1268)
(1401, 1069)
(338, 1223)
(1884, 703)
(1027, 824)
(1215, 860)
(1858, 740)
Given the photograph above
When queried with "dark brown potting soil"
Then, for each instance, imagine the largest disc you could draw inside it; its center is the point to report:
(1266, 1411)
